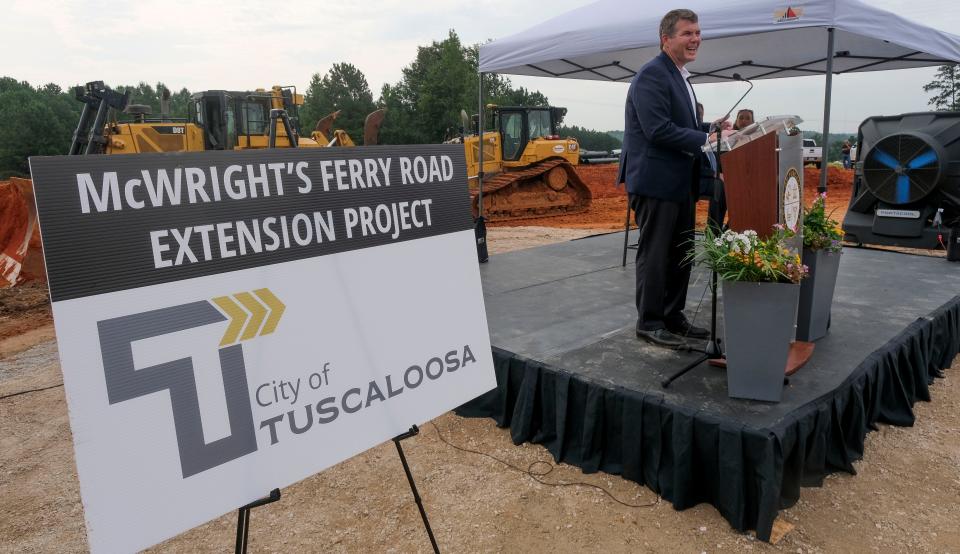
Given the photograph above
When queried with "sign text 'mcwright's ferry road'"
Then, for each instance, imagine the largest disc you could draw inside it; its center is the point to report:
(173, 216)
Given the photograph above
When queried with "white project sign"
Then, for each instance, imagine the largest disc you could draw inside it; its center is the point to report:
(230, 323)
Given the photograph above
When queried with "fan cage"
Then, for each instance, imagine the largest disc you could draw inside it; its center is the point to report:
(901, 169)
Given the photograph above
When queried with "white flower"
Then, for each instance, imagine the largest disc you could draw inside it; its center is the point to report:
(718, 242)
(735, 246)
(750, 233)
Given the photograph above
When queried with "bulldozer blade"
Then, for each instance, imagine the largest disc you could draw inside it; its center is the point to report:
(326, 123)
(371, 127)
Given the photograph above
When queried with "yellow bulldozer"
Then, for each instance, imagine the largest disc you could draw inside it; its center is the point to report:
(218, 120)
(529, 170)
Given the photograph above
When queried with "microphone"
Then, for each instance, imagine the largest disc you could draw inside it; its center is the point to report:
(736, 77)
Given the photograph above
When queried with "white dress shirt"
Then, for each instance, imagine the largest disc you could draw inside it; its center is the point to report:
(685, 73)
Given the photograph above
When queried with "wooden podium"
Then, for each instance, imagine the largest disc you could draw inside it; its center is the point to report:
(763, 182)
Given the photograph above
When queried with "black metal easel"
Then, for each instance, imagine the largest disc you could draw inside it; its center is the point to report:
(243, 515)
(414, 431)
(243, 519)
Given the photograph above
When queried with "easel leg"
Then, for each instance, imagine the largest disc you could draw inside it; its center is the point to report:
(243, 519)
(414, 431)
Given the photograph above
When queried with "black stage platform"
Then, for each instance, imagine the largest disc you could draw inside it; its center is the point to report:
(573, 376)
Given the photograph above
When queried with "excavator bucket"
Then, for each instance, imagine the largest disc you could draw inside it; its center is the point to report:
(325, 126)
(371, 127)
(21, 253)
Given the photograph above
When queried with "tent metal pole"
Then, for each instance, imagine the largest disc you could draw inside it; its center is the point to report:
(480, 145)
(828, 90)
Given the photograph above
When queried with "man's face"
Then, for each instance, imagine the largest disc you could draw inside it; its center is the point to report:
(682, 46)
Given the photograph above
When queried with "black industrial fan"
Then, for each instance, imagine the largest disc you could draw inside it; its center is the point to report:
(902, 168)
(907, 186)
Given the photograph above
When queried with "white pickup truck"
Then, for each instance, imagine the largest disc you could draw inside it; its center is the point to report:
(812, 154)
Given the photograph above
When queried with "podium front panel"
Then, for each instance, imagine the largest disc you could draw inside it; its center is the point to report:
(750, 182)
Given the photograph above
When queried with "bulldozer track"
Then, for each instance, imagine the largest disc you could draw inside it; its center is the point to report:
(498, 194)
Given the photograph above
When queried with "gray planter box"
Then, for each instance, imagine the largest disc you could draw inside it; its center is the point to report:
(758, 327)
(816, 294)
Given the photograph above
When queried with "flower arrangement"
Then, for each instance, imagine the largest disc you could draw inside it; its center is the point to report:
(820, 232)
(746, 257)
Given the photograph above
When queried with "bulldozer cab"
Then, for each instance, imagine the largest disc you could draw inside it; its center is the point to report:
(518, 126)
(238, 120)
(520, 137)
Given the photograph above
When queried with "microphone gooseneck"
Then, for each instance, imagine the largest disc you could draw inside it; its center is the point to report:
(738, 77)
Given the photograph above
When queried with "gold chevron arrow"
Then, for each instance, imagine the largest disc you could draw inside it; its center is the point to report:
(257, 314)
(237, 317)
(276, 308)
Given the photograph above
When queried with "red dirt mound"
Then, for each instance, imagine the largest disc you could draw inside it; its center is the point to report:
(601, 179)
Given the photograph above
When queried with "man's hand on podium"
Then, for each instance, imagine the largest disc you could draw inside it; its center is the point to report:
(722, 124)
(724, 134)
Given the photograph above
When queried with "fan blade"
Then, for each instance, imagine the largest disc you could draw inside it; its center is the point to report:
(884, 158)
(923, 159)
(903, 189)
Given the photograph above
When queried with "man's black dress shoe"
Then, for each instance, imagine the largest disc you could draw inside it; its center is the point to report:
(686, 330)
(661, 337)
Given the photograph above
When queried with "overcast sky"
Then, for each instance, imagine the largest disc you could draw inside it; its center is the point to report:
(243, 45)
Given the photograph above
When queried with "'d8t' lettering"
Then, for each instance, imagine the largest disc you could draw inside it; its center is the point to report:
(126, 382)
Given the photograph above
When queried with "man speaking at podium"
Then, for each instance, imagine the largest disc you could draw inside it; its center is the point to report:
(660, 163)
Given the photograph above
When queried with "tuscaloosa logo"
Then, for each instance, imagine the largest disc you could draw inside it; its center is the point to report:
(250, 314)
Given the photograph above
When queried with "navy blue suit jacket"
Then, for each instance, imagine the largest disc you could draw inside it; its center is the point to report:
(662, 136)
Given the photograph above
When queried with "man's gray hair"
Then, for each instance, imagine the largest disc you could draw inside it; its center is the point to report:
(668, 25)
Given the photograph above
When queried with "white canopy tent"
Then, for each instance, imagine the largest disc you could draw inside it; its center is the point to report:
(610, 40)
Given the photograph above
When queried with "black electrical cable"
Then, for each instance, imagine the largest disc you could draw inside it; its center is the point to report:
(4, 397)
(538, 475)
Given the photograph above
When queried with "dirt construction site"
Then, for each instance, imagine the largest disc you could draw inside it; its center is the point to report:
(482, 492)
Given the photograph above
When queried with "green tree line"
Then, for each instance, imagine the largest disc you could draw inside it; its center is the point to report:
(590, 139)
(423, 107)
